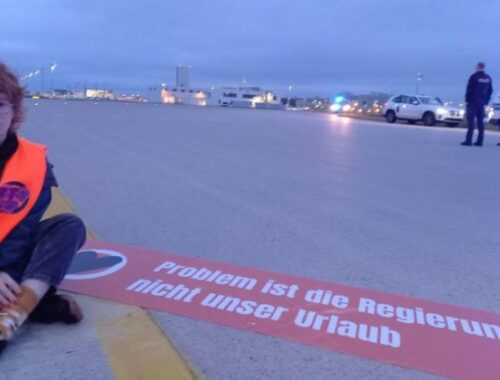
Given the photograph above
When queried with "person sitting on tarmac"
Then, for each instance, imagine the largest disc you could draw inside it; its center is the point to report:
(34, 254)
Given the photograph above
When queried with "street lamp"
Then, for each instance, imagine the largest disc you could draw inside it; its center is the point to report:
(290, 88)
(419, 79)
(52, 69)
(29, 77)
(35, 75)
(43, 78)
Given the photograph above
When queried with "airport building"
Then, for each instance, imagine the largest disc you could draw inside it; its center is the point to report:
(175, 95)
(242, 96)
(97, 93)
(182, 93)
(182, 76)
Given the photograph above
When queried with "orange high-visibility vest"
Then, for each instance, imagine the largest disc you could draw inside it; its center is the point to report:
(21, 184)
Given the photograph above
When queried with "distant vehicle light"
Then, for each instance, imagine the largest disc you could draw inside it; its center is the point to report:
(335, 107)
(346, 108)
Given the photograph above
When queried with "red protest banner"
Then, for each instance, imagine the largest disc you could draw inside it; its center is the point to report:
(442, 339)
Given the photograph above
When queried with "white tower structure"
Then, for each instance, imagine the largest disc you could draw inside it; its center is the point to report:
(182, 77)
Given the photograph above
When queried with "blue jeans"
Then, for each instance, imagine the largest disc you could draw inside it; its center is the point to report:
(475, 111)
(55, 242)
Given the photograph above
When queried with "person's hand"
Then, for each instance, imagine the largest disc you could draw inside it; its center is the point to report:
(9, 290)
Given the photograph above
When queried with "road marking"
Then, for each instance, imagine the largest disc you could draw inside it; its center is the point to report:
(138, 349)
(135, 346)
(60, 205)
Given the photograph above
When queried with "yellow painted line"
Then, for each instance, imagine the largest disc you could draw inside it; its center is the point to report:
(135, 346)
(60, 205)
(138, 349)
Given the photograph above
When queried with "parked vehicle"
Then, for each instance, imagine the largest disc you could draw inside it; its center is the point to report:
(494, 114)
(430, 110)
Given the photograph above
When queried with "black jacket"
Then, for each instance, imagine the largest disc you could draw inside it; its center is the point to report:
(479, 89)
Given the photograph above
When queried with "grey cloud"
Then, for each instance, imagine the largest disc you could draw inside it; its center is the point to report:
(321, 44)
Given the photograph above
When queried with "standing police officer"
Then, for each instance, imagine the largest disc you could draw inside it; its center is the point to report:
(479, 90)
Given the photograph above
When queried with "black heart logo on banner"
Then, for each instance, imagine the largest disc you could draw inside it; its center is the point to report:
(85, 261)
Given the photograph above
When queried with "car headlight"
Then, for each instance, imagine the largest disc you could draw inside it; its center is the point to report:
(441, 111)
(462, 113)
(335, 107)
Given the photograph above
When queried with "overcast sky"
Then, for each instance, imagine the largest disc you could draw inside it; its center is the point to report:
(318, 46)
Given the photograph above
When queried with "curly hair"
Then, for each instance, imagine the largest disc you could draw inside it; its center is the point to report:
(11, 88)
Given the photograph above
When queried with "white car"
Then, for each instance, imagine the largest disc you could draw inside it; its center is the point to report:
(430, 110)
(494, 114)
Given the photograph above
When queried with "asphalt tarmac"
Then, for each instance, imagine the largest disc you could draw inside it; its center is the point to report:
(395, 208)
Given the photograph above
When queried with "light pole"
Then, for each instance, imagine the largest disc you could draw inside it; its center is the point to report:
(35, 75)
(52, 69)
(30, 77)
(419, 79)
(25, 79)
(43, 79)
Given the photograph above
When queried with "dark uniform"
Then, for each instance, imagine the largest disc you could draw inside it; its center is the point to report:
(479, 90)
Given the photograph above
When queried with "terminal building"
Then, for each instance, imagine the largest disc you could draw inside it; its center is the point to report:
(242, 96)
(246, 97)
(182, 93)
(99, 93)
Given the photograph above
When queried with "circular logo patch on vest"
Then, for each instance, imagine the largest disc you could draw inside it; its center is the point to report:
(14, 197)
